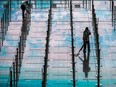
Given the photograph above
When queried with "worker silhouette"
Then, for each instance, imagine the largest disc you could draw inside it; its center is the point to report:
(86, 41)
(24, 7)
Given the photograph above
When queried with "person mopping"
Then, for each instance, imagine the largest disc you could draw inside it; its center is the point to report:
(86, 41)
(24, 7)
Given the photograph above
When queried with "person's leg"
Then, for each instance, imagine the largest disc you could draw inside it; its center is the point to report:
(88, 46)
(23, 12)
(84, 50)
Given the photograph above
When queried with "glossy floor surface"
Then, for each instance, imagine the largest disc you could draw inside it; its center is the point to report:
(60, 58)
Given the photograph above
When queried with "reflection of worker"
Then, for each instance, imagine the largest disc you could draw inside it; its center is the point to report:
(24, 7)
(86, 67)
(86, 34)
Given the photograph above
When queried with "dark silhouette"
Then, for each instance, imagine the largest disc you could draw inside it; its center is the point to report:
(86, 67)
(86, 34)
(85, 61)
(86, 42)
(24, 7)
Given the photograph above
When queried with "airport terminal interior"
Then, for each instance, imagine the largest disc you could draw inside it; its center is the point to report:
(44, 47)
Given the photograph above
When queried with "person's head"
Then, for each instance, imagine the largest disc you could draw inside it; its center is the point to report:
(86, 28)
(5, 5)
(26, 2)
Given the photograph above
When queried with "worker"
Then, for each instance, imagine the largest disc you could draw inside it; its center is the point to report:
(86, 41)
(24, 7)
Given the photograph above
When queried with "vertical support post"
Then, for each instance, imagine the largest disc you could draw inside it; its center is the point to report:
(47, 47)
(98, 77)
(36, 4)
(68, 3)
(19, 58)
(96, 35)
(41, 4)
(10, 77)
(89, 5)
(1, 35)
(113, 13)
(5, 14)
(10, 9)
(83, 3)
(86, 4)
(4, 18)
(14, 74)
(8, 13)
(110, 4)
(20, 53)
(21, 47)
(16, 59)
(3, 26)
(72, 44)
(65, 3)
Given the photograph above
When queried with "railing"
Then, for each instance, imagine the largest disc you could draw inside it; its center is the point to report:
(20, 51)
(96, 35)
(44, 70)
(6, 18)
(72, 45)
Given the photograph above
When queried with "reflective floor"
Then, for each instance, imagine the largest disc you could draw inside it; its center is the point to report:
(59, 58)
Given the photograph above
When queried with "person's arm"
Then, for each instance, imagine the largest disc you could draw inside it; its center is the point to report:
(27, 9)
(89, 32)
